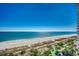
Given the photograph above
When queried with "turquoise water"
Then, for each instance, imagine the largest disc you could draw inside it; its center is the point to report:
(5, 36)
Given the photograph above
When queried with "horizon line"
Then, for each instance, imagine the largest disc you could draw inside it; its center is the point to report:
(37, 30)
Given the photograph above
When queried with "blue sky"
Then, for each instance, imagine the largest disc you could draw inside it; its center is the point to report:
(37, 16)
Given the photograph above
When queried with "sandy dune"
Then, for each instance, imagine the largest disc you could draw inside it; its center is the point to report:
(29, 42)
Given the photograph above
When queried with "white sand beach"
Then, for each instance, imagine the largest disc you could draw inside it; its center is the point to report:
(29, 42)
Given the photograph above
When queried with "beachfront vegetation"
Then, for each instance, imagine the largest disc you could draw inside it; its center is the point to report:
(34, 52)
(22, 52)
(60, 48)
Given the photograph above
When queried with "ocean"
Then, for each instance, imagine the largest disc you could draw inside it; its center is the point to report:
(7, 36)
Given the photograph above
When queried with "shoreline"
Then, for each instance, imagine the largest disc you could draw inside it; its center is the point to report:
(23, 42)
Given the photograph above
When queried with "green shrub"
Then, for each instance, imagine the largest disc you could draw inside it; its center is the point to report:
(10, 54)
(23, 52)
(49, 47)
(60, 44)
(47, 53)
(34, 52)
(70, 41)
